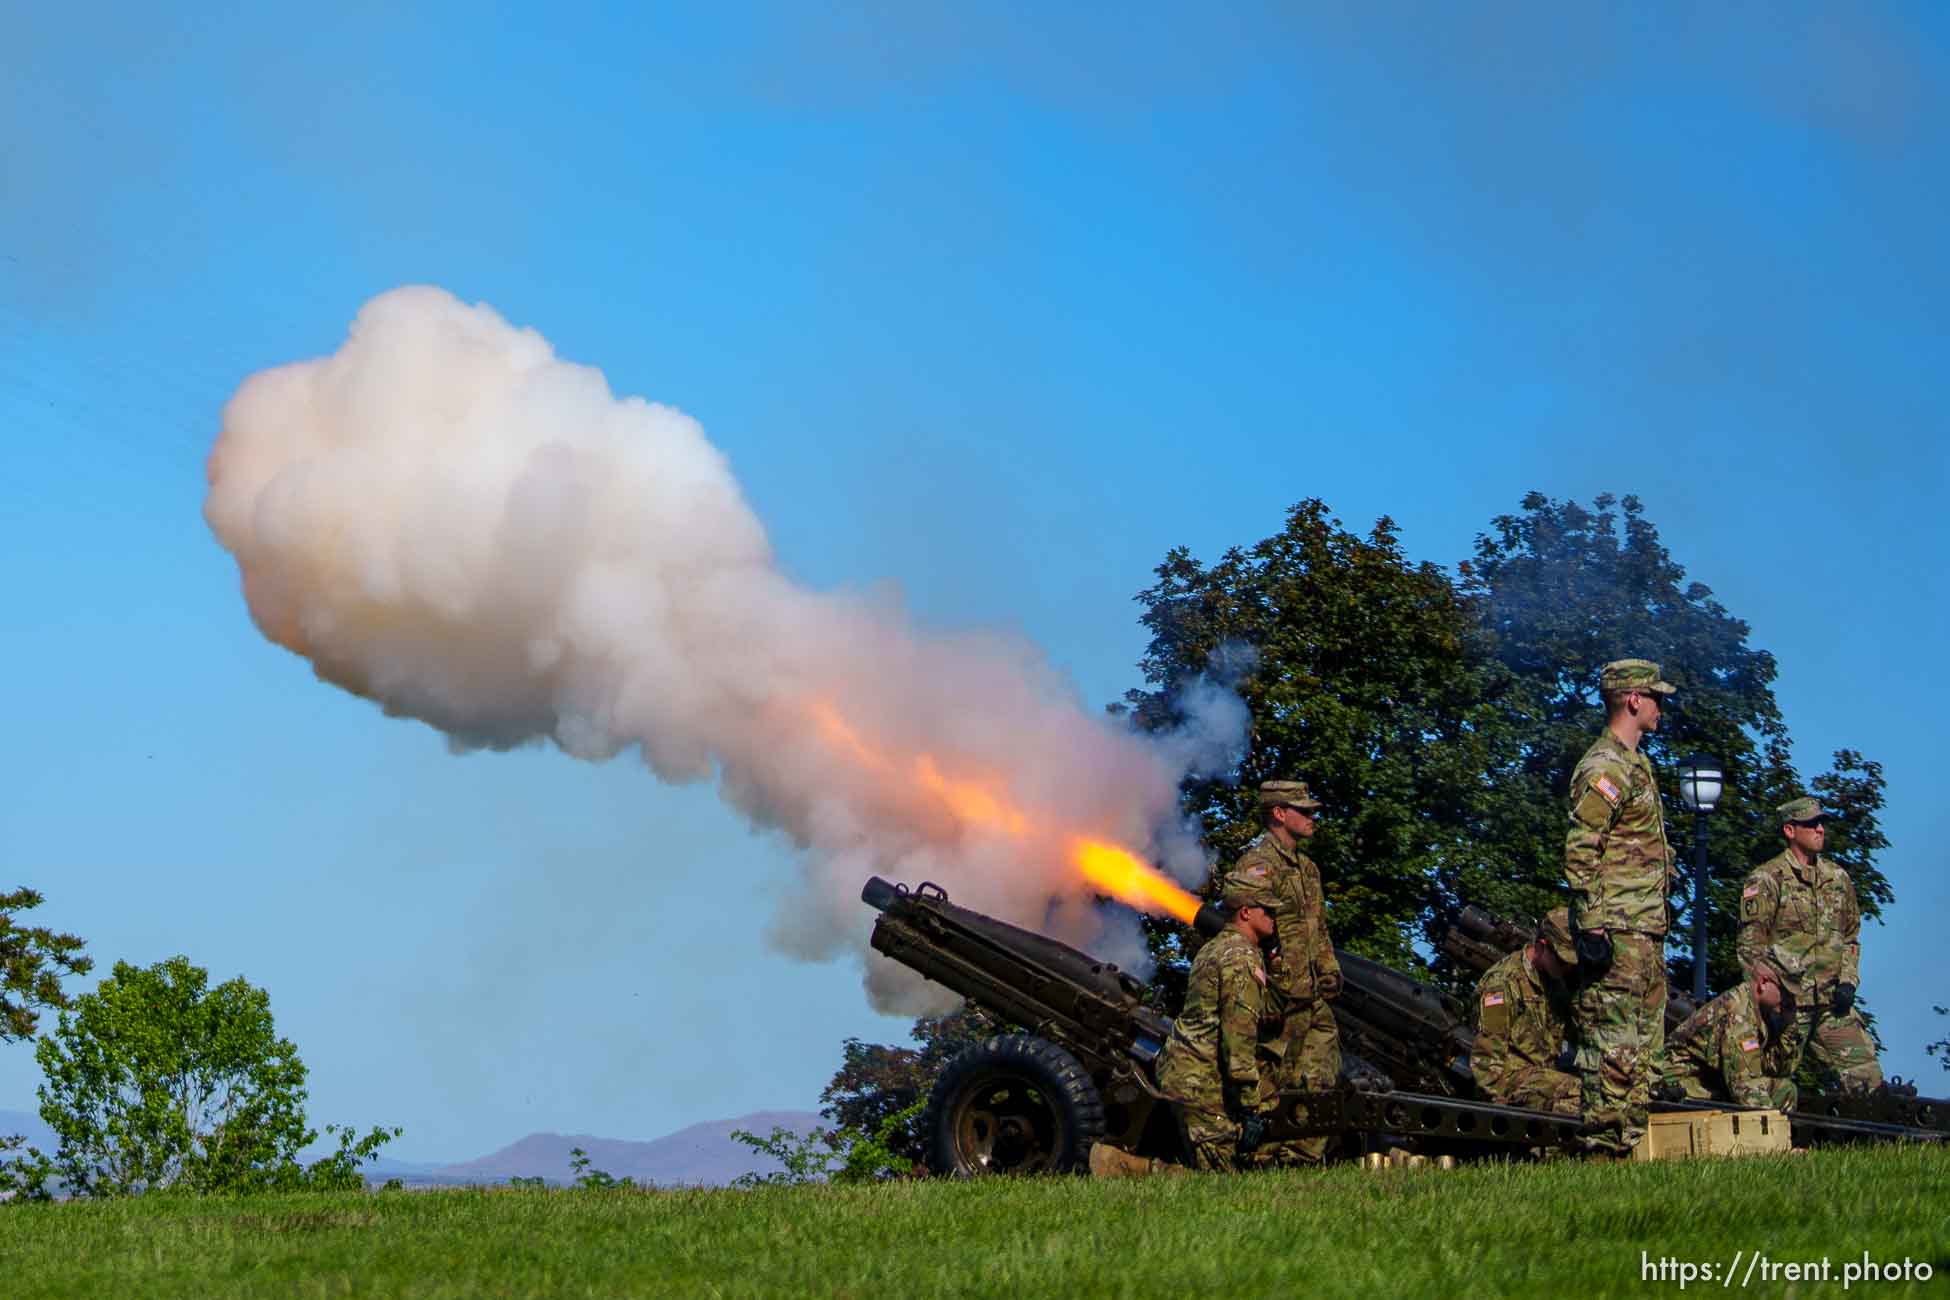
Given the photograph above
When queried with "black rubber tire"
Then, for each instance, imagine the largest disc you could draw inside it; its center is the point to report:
(1016, 1104)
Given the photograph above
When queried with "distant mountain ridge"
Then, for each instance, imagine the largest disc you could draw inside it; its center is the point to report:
(703, 1155)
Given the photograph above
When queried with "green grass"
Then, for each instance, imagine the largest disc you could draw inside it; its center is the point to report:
(1570, 1230)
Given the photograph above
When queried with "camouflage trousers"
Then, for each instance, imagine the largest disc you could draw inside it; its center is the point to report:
(1538, 1087)
(1212, 1142)
(1620, 1019)
(1840, 1048)
(1304, 1055)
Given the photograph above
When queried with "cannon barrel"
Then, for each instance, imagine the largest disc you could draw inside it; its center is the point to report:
(1097, 1012)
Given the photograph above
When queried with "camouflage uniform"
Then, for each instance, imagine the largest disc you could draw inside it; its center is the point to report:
(1303, 1046)
(1209, 1063)
(1521, 1019)
(1617, 864)
(1723, 1053)
(1803, 921)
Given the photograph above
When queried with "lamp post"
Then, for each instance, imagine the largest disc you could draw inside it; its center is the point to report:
(1700, 781)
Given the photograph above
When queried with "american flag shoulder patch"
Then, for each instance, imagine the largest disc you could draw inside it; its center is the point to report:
(1750, 890)
(1606, 787)
(1750, 1044)
(1492, 999)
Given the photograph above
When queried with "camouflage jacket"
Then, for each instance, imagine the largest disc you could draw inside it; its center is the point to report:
(1306, 954)
(1725, 1046)
(1803, 921)
(1209, 1060)
(1520, 1024)
(1616, 859)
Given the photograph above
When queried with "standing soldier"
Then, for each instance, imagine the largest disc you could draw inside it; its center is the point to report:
(1740, 1047)
(1305, 975)
(1522, 1013)
(1210, 1064)
(1798, 914)
(1617, 863)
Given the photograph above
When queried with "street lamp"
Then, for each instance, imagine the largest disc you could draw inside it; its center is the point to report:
(1700, 781)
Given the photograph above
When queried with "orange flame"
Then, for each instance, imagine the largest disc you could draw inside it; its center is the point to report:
(1112, 870)
(1129, 880)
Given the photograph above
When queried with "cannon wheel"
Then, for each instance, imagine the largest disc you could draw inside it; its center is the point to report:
(1016, 1104)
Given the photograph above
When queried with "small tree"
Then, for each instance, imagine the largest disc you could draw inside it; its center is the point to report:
(156, 1080)
(32, 961)
(878, 1092)
(1941, 1047)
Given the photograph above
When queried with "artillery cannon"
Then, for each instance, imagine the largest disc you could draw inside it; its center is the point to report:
(1086, 1069)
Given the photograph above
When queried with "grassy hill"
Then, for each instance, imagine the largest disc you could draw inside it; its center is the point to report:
(1560, 1229)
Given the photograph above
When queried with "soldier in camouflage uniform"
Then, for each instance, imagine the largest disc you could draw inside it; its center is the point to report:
(1522, 1016)
(1211, 1061)
(1798, 914)
(1302, 1045)
(1618, 864)
(1740, 1047)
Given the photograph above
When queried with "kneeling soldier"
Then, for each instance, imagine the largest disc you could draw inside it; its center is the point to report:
(1209, 1062)
(1739, 1047)
(1522, 1016)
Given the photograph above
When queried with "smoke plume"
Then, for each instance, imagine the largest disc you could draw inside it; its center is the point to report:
(449, 520)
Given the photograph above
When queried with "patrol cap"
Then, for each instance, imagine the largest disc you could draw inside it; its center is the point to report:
(1804, 809)
(1273, 794)
(1761, 971)
(1555, 930)
(1633, 675)
(1239, 891)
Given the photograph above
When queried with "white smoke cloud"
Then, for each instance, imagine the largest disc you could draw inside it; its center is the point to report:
(449, 520)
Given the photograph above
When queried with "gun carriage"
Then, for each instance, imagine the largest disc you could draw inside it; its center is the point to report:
(1085, 1069)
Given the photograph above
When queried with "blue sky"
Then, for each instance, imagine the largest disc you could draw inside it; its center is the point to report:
(994, 306)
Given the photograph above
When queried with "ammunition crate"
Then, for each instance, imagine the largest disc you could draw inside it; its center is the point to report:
(1679, 1135)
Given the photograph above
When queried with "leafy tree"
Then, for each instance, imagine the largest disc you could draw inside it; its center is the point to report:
(1440, 719)
(156, 1080)
(841, 1155)
(877, 1083)
(1941, 1047)
(339, 1171)
(1362, 675)
(1558, 590)
(33, 959)
(595, 1180)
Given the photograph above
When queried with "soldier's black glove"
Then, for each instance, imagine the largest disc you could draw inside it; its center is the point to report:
(1668, 1090)
(1594, 950)
(1844, 998)
(1251, 1132)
